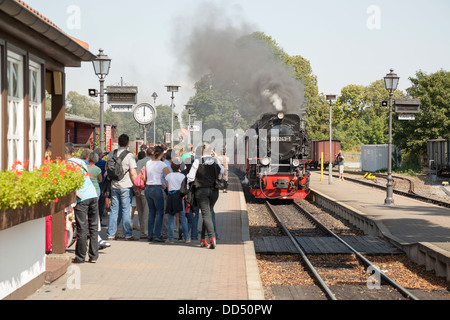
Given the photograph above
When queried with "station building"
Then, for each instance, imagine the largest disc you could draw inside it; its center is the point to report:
(34, 53)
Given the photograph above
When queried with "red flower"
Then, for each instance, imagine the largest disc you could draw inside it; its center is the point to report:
(56, 200)
(62, 172)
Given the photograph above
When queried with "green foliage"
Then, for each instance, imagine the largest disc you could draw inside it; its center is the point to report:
(433, 121)
(42, 185)
(410, 165)
(82, 106)
(357, 116)
(215, 104)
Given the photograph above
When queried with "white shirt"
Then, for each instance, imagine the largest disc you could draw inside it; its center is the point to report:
(128, 163)
(155, 172)
(174, 179)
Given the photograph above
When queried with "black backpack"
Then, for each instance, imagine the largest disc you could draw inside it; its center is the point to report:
(114, 165)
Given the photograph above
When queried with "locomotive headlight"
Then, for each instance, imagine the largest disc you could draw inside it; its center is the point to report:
(280, 115)
(265, 161)
(295, 162)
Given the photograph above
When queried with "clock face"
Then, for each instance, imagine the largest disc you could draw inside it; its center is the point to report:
(144, 113)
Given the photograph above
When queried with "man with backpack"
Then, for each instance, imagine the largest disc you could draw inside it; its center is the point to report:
(121, 170)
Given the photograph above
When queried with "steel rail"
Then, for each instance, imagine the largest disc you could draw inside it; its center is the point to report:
(402, 290)
(322, 283)
(411, 194)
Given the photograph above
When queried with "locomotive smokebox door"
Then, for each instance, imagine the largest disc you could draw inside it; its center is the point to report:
(282, 184)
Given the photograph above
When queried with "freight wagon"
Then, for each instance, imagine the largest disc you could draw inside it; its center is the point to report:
(438, 154)
(319, 146)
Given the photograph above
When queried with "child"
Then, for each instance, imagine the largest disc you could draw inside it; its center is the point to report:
(174, 202)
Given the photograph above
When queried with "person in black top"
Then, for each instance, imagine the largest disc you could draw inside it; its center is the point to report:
(204, 172)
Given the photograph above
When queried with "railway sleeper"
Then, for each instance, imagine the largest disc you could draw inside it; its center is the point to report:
(424, 253)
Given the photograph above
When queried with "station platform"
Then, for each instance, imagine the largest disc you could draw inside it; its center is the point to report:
(420, 229)
(142, 270)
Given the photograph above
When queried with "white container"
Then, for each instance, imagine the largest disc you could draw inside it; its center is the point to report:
(375, 157)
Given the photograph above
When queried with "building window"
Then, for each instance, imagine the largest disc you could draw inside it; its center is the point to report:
(15, 136)
(35, 110)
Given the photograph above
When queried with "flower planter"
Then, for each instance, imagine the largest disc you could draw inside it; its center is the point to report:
(12, 217)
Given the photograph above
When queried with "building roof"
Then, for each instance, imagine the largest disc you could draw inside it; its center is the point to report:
(74, 118)
(33, 19)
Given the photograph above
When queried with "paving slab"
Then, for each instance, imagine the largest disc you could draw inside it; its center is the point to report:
(159, 271)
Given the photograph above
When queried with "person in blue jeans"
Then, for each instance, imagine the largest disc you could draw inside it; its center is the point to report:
(122, 193)
(156, 170)
(193, 216)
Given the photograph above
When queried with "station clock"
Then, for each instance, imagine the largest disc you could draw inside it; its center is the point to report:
(144, 113)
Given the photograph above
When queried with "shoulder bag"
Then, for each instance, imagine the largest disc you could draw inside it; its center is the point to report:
(141, 179)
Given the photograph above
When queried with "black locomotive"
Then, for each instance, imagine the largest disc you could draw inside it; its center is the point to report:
(277, 151)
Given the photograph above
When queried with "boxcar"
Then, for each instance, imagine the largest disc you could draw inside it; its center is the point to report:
(438, 152)
(319, 146)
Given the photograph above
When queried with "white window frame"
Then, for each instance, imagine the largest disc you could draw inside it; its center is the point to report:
(15, 136)
(35, 118)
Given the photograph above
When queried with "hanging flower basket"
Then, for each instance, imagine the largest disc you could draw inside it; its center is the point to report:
(29, 195)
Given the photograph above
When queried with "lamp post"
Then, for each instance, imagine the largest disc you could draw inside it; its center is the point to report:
(330, 98)
(154, 96)
(390, 83)
(189, 108)
(172, 88)
(101, 68)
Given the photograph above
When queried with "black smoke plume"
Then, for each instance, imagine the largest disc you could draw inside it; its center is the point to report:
(217, 40)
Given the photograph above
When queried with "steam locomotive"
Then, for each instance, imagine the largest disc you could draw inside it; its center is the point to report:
(277, 152)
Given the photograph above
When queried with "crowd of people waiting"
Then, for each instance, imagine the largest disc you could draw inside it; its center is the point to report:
(162, 209)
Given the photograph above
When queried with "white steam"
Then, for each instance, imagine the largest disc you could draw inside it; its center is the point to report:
(274, 98)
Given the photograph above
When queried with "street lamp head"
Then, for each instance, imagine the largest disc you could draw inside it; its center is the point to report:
(331, 97)
(154, 95)
(172, 88)
(391, 81)
(101, 64)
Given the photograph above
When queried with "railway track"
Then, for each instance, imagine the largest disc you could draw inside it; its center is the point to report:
(284, 223)
(410, 193)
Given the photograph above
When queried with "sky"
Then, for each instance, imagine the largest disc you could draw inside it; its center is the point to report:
(346, 41)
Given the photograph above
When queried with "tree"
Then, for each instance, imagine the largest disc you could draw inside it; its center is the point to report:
(315, 106)
(349, 105)
(82, 106)
(433, 121)
(215, 104)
